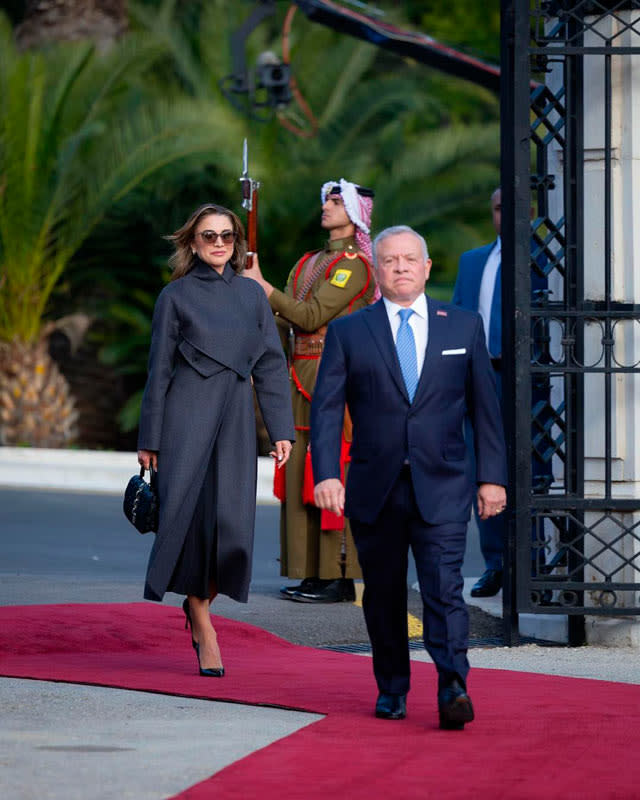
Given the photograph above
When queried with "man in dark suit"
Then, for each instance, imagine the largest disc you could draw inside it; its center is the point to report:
(479, 288)
(409, 368)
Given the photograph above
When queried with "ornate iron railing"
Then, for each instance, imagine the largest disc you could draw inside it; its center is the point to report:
(574, 543)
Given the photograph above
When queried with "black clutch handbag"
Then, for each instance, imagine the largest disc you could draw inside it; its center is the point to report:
(140, 503)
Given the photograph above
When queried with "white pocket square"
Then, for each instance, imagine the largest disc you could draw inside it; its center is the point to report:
(459, 352)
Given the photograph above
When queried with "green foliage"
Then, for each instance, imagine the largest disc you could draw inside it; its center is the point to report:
(128, 350)
(472, 26)
(76, 135)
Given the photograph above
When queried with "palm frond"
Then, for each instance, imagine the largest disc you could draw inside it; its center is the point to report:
(76, 136)
(352, 72)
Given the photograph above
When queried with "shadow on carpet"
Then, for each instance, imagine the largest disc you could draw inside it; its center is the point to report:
(535, 736)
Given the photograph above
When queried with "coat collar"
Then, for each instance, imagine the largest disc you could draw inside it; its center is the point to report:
(206, 273)
(336, 245)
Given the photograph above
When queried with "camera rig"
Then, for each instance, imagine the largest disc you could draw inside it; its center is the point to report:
(268, 87)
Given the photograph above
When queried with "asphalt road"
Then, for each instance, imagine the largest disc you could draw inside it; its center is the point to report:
(65, 547)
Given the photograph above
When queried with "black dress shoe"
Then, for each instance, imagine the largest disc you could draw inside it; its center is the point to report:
(454, 706)
(489, 584)
(307, 585)
(341, 590)
(391, 706)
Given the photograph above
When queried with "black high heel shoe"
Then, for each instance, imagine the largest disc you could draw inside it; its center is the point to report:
(187, 621)
(214, 672)
(208, 672)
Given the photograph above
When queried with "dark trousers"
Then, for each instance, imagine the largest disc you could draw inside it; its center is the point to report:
(438, 550)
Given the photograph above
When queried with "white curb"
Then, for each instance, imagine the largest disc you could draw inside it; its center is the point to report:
(90, 471)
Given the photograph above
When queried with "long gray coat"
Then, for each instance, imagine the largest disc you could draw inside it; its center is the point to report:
(211, 334)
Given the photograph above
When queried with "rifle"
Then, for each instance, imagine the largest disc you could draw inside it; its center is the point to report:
(250, 203)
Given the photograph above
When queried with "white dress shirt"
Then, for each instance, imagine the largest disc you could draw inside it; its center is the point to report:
(419, 322)
(487, 288)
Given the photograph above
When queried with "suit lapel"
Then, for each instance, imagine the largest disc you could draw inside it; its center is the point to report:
(482, 254)
(436, 340)
(378, 323)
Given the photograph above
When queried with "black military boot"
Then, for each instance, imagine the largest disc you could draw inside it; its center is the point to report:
(340, 590)
(307, 585)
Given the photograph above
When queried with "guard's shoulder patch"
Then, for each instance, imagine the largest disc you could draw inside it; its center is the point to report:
(341, 278)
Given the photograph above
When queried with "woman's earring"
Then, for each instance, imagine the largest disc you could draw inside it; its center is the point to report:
(193, 252)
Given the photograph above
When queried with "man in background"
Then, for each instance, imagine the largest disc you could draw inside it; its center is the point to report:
(479, 288)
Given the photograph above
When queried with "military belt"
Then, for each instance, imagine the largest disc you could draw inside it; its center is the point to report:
(308, 344)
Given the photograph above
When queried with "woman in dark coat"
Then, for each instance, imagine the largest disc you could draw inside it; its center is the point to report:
(213, 335)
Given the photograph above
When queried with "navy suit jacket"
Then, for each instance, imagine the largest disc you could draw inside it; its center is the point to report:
(360, 367)
(466, 293)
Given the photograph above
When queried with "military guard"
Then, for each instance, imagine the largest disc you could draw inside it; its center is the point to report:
(315, 546)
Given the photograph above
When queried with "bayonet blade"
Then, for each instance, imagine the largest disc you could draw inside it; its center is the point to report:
(245, 180)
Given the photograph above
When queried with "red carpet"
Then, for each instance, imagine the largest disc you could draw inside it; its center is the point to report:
(535, 736)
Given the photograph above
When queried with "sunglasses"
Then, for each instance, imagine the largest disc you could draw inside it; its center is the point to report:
(210, 237)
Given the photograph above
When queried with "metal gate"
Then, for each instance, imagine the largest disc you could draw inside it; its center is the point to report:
(574, 529)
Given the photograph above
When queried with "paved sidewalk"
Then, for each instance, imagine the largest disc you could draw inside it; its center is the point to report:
(617, 664)
(72, 742)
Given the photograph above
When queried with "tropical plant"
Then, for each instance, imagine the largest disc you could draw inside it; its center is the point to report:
(472, 26)
(129, 352)
(77, 133)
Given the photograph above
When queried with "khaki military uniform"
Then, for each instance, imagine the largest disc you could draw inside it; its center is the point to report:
(322, 286)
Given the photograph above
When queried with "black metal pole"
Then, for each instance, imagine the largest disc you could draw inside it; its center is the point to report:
(514, 139)
(574, 300)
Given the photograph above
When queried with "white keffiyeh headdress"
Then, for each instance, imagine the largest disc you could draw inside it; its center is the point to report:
(357, 206)
(358, 203)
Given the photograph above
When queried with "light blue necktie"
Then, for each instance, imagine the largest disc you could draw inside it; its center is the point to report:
(406, 349)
